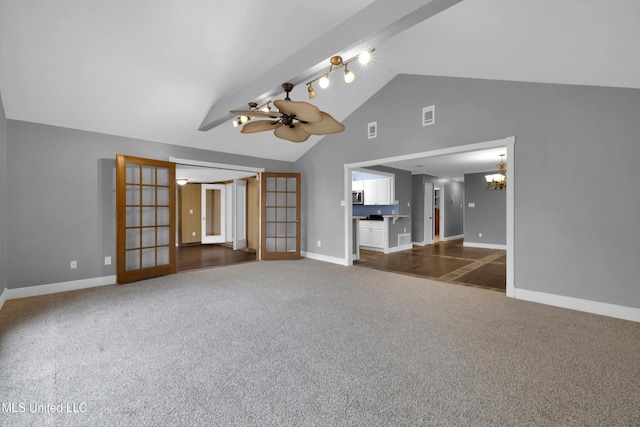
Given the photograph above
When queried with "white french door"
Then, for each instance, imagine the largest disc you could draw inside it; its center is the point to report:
(213, 213)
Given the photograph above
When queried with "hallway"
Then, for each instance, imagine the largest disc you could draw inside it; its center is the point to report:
(448, 261)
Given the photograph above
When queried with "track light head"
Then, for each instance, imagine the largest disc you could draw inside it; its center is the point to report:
(312, 93)
(365, 57)
(348, 75)
(324, 81)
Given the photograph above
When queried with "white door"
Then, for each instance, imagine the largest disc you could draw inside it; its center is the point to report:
(240, 214)
(428, 213)
(213, 213)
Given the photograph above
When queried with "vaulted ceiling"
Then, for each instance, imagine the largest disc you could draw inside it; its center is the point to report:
(160, 70)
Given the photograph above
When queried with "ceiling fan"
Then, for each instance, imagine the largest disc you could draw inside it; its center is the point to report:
(295, 121)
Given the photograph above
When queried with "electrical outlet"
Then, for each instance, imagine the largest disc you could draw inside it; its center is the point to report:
(107, 260)
(379, 211)
(73, 265)
(408, 203)
(479, 234)
(319, 243)
(393, 211)
(193, 233)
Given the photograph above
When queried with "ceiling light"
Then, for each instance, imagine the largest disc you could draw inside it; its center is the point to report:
(336, 63)
(312, 93)
(365, 57)
(497, 181)
(181, 181)
(244, 119)
(236, 122)
(267, 107)
(348, 75)
(324, 81)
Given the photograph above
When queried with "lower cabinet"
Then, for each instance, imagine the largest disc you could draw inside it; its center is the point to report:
(372, 234)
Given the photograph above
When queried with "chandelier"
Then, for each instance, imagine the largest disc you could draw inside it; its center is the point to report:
(497, 181)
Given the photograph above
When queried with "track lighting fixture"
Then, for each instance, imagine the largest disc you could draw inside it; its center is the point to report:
(336, 63)
(323, 81)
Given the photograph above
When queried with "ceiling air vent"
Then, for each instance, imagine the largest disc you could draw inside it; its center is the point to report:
(428, 115)
(372, 130)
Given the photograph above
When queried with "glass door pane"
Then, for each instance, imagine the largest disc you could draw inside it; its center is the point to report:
(281, 216)
(145, 199)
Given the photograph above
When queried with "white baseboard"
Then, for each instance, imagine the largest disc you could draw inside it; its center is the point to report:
(3, 297)
(601, 308)
(399, 248)
(419, 243)
(458, 236)
(325, 258)
(484, 245)
(52, 288)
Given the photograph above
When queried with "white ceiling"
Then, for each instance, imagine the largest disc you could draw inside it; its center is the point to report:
(153, 69)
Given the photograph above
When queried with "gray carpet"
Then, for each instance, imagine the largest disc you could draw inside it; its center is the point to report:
(306, 343)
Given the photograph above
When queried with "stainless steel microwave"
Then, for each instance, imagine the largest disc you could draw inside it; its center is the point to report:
(357, 197)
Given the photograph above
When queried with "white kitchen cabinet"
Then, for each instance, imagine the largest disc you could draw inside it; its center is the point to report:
(378, 191)
(357, 185)
(384, 191)
(372, 234)
(370, 192)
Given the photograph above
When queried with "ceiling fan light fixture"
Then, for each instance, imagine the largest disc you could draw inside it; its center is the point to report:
(236, 122)
(267, 107)
(324, 81)
(244, 119)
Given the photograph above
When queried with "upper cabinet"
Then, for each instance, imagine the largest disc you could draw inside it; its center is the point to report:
(378, 191)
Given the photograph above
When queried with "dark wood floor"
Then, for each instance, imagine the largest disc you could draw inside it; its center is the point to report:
(205, 256)
(446, 262)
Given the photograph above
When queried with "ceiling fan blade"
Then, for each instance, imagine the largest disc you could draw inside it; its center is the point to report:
(293, 134)
(260, 126)
(326, 126)
(262, 114)
(302, 111)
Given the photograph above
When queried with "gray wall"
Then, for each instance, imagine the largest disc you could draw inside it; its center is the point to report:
(451, 207)
(489, 216)
(417, 204)
(3, 191)
(581, 228)
(61, 198)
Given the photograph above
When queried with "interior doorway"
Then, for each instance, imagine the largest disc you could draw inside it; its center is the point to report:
(508, 142)
(218, 214)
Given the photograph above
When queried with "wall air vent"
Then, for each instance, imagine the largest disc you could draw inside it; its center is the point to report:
(428, 115)
(372, 130)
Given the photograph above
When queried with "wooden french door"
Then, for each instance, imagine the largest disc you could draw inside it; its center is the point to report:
(280, 216)
(146, 217)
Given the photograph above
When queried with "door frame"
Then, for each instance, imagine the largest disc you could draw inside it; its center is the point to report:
(227, 166)
(222, 237)
(508, 142)
(428, 213)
